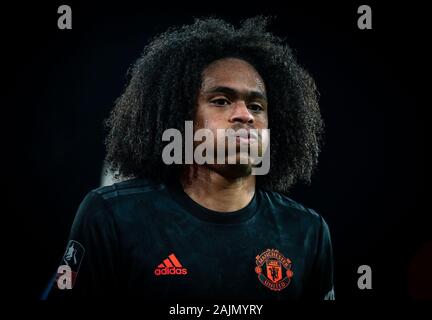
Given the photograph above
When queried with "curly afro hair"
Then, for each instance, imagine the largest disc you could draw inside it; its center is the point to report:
(163, 88)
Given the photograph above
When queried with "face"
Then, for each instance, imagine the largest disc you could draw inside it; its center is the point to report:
(232, 96)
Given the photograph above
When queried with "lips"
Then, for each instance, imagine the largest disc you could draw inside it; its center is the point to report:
(244, 135)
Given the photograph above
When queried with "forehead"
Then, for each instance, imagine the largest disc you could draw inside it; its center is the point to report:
(232, 72)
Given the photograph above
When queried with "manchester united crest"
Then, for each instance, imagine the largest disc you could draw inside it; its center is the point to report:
(273, 269)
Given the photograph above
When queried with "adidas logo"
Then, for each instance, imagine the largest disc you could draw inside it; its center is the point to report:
(170, 266)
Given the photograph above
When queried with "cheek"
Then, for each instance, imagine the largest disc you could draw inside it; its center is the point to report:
(203, 115)
(212, 121)
(261, 122)
(200, 117)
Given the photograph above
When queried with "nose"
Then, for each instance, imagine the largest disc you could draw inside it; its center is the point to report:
(241, 113)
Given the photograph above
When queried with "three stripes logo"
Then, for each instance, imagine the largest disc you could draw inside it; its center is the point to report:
(170, 266)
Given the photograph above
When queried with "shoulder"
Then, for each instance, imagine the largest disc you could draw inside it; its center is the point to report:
(128, 188)
(286, 208)
(118, 197)
(127, 193)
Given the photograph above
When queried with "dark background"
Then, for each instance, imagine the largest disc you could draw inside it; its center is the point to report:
(374, 85)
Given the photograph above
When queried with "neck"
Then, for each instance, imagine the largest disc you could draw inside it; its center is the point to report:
(216, 192)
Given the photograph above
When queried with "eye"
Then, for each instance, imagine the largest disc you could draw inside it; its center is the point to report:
(220, 102)
(255, 107)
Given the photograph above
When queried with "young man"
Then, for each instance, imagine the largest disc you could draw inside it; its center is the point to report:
(209, 230)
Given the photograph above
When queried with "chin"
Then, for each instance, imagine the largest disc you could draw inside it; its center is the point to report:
(233, 171)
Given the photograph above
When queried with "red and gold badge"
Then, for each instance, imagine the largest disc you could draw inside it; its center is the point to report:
(273, 269)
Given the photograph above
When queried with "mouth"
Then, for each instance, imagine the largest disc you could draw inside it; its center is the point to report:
(245, 140)
(245, 136)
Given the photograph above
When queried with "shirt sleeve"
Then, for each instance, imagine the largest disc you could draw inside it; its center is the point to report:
(89, 265)
(320, 285)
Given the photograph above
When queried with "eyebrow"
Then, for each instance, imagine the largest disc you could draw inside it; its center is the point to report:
(233, 92)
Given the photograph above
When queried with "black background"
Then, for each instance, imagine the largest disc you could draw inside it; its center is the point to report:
(374, 85)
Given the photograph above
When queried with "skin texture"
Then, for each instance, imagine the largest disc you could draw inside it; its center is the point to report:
(232, 95)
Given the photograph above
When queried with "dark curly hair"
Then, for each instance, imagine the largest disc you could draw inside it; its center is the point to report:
(163, 88)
